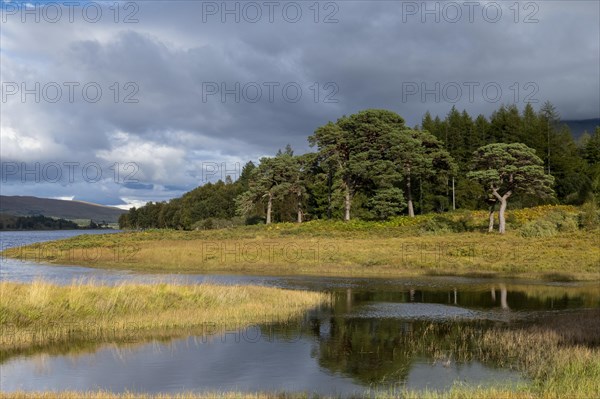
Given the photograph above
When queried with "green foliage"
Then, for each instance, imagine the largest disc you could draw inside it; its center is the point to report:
(216, 223)
(38, 222)
(372, 164)
(589, 218)
(438, 224)
(591, 149)
(511, 168)
(450, 223)
(563, 221)
(280, 178)
(469, 194)
(557, 220)
(541, 131)
(387, 202)
(538, 228)
(373, 153)
(254, 220)
(356, 150)
(212, 200)
(420, 156)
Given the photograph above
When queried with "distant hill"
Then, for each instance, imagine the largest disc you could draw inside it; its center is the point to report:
(580, 126)
(71, 210)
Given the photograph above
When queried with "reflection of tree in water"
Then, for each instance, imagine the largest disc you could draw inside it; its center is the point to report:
(384, 350)
(499, 296)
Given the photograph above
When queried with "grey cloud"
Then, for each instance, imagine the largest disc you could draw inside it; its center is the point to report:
(368, 54)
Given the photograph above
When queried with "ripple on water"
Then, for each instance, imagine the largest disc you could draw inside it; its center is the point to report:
(424, 311)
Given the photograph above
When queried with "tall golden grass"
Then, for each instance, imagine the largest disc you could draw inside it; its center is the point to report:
(40, 313)
(566, 256)
(455, 243)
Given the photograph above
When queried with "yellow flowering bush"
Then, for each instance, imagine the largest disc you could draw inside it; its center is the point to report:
(525, 215)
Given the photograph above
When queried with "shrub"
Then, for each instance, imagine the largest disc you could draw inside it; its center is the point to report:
(589, 217)
(538, 228)
(439, 224)
(466, 222)
(568, 224)
(513, 220)
(563, 220)
(252, 220)
(216, 223)
(522, 216)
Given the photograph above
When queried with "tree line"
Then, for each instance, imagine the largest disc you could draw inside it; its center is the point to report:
(371, 166)
(35, 222)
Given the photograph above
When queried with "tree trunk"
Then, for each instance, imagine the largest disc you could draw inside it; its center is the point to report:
(491, 225)
(453, 196)
(269, 208)
(329, 183)
(503, 201)
(411, 210)
(501, 218)
(299, 209)
(503, 297)
(347, 204)
(420, 196)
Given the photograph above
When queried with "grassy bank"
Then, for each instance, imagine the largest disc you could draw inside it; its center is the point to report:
(544, 242)
(41, 314)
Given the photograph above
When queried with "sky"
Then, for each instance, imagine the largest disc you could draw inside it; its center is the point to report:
(124, 103)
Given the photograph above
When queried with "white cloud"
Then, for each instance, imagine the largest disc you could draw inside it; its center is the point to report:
(130, 203)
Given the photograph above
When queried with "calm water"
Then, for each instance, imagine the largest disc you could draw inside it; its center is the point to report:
(376, 336)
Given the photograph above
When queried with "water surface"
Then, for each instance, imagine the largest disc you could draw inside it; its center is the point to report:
(381, 333)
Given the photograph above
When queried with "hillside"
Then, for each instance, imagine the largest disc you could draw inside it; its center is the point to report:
(71, 210)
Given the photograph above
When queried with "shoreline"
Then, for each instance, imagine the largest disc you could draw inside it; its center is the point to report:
(565, 257)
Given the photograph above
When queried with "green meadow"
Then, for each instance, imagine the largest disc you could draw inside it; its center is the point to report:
(546, 242)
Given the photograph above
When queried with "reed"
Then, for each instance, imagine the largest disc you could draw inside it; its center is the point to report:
(40, 313)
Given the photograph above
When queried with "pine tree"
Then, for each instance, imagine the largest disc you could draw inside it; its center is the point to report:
(356, 147)
(419, 155)
(549, 120)
(530, 131)
(427, 123)
(508, 168)
(591, 151)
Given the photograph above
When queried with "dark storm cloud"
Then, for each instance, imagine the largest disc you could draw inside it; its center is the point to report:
(376, 55)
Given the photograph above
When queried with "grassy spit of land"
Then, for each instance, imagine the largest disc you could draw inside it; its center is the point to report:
(543, 242)
(42, 314)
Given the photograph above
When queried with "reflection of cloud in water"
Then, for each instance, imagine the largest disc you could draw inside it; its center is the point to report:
(429, 311)
(424, 375)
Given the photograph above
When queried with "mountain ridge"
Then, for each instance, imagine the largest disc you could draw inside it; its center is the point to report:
(64, 209)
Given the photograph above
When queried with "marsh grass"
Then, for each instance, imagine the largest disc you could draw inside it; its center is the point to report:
(40, 314)
(188, 395)
(565, 256)
(455, 393)
(559, 353)
(398, 247)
